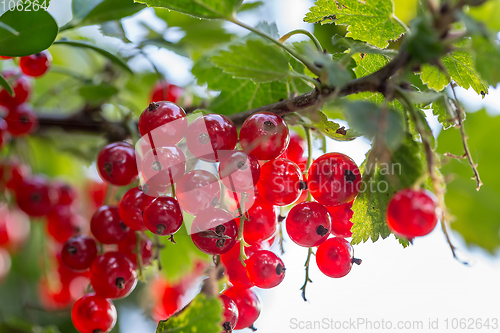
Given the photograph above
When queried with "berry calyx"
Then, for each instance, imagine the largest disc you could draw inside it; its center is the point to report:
(279, 182)
(132, 206)
(248, 304)
(214, 231)
(79, 252)
(164, 91)
(116, 164)
(107, 226)
(335, 257)
(341, 220)
(198, 190)
(264, 135)
(412, 213)
(308, 224)
(163, 216)
(239, 171)
(21, 120)
(112, 275)
(163, 124)
(229, 313)
(265, 269)
(36, 64)
(93, 314)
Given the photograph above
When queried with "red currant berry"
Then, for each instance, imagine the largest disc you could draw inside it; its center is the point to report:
(112, 275)
(308, 224)
(163, 124)
(164, 166)
(262, 223)
(341, 220)
(116, 164)
(14, 228)
(412, 213)
(132, 207)
(93, 314)
(214, 232)
(17, 173)
(63, 223)
(335, 257)
(265, 269)
(235, 271)
(129, 247)
(248, 304)
(333, 179)
(36, 64)
(65, 193)
(96, 192)
(163, 216)
(21, 120)
(107, 226)
(295, 149)
(79, 252)
(279, 182)
(35, 197)
(264, 135)
(164, 91)
(239, 171)
(230, 313)
(54, 295)
(21, 87)
(198, 190)
(211, 136)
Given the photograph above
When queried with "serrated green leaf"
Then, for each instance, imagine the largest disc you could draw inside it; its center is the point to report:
(407, 164)
(37, 30)
(208, 9)
(487, 59)
(446, 111)
(460, 66)
(203, 314)
(6, 85)
(355, 46)
(114, 58)
(489, 12)
(371, 21)
(330, 128)
(367, 64)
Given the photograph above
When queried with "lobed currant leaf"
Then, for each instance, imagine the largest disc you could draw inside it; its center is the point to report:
(368, 63)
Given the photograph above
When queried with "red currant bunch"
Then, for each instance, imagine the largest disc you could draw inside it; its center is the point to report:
(36, 64)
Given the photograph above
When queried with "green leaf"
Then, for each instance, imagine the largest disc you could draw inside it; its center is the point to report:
(208, 9)
(460, 66)
(8, 28)
(487, 59)
(81, 8)
(371, 21)
(355, 46)
(115, 59)
(203, 314)
(476, 212)
(98, 11)
(247, 6)
(367, 64)
(423, 43)
(114, 29)
(37, 30)
(379, 183)
(330, 128)
(488, 13)
(446, 111)
(5, 84)
(97, 93)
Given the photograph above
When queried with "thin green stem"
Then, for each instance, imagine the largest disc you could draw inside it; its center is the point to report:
(138, 255)
(241, 239)
(309, 157)
(303, 32)
(306, 265)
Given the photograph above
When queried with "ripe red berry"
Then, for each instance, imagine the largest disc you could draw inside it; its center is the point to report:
(63, 223)
(163, 124)
(412, 213)
(36, 64)
(164, 91)
(107, 226)
(132, 207)
(128, 246)
(248, 304)
(92, 314)
(295, 149)
(308, 224)
(264, 135)
(35, 197)
(229, 314)
(239, 171)
(116, 164)
(214, 231)
(21, 120)
(79, 252)
(335, 257)
(163, 166)
(211, 136)
(112, 275)
(235, 271)
(262, 222)
(265, 269)
(21, 87)
(16, 174)
(334, 179)
(198, 190)
(279, 182)
(341, 220)
(163, 216)
(65, 193)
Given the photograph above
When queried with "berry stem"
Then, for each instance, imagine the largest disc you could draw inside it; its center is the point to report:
(138, 254)
(306, 265)
(304, 32)
(309, 157)
(241, 239)
(281, 218)
(158, 247)
(110, 195)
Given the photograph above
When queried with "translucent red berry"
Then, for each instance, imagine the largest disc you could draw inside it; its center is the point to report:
(295, 149)
(66, 194)
(36, 64)
(214, 231)
(163, 124)
(112, 275)
(334, 179)
(248, 304)
(129, 247)
(107, 226)
(164, 91)
(16, 174)
(22, 90)
(35, 197)
(21, 120)
(93, 314)
(163, 166)
(79, 252)
(341, 220)
(265, 269)
(198, 190)
(235, 271)
(279, 182)
(412, 213)
(63, 222)
(262, 222)
(264, 135)
(163, 216)
(132, 206)
(116, 164)
(239, 171)
(335, 257)
(211, 136)
(308, 224)
(229, 314)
